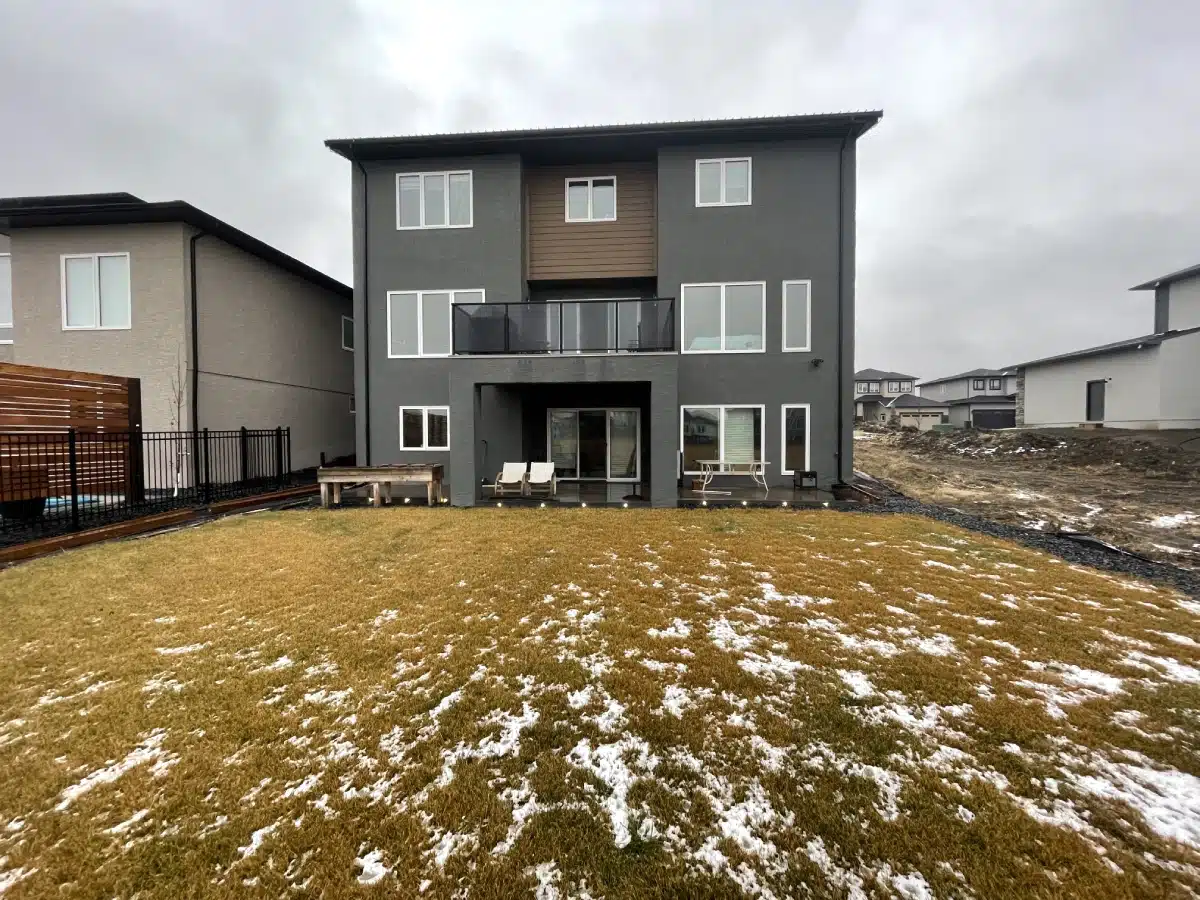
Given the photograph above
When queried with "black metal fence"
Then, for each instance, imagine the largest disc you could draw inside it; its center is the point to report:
(57, 482)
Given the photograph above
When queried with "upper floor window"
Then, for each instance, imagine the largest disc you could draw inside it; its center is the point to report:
(994, 384)
(860, 387)
(977, 384)
(894, 387)
(419, 322)
(347, 333)
(724, 318)
(872, 387)
(434, 200)
(6, 305)
(723, 182)
(592, 199)
(95, 291)
(797, 315)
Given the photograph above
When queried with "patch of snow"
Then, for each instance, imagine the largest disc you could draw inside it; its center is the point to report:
(1177, 638)
(548, 876)
(179, 651)
(678, 629)
(257, 839)
(1171, 669)
(372, 867)
(606, 762)
(1168, 800)
(1175, 521)
(284, 662)
(122, 827)
(149, 751)
(858, 683)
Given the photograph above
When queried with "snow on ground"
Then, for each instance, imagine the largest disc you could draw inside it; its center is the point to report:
(580, 710)
(1174, 521)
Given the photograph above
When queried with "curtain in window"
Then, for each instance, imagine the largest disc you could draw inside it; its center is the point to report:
(742, 430)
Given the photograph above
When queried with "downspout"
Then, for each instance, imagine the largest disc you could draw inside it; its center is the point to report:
(195, 333)
(841, 295)
(366, 323)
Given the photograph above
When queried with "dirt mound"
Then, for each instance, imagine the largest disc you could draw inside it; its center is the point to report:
(1056, 449)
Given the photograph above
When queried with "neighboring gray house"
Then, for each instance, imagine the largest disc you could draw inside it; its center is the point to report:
(980, 398)
(874, 389)
(166, 293)
(621, 300)
(1152, 381)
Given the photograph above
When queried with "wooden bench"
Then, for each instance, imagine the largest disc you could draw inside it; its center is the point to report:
(381, 479)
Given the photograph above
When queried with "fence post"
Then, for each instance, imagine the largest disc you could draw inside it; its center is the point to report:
(207, 469)
(244, 454)
(73, 457)
(278, 455)
(287, 444)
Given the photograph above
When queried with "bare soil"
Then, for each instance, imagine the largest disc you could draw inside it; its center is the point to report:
(1137, 490)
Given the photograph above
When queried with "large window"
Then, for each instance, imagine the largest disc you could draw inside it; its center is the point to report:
(424, 428)
(797, 315)
(434, 200)
(95, 291)
(419, 322)
(724, 318)
(592, 199)
(723, 182)
(728, 434)
(6, 299)
(795, 438)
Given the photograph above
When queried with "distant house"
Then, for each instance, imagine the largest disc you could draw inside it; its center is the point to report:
(882, 397)
(980, 398)
(1152, 381)
(223, 330)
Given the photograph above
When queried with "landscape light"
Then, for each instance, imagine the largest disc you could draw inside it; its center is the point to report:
(582, 505)
(624, 506)
(498, 503)
(785, 503)
(407, 499)
(704, 503)
(543, 504)
(743, 503)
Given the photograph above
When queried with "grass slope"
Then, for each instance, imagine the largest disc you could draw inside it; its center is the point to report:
(593, 703)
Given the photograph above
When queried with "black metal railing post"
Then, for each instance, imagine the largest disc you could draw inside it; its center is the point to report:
(561, 345)
(278, 455)
(206, 491)
(244, 455)
(73, 458)
(287, 444)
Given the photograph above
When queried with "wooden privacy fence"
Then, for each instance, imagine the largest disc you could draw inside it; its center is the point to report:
(52, 422)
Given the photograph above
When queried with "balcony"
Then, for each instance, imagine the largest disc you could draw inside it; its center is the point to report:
(565, 326)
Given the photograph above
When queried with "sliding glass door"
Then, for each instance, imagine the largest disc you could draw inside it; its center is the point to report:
(595, 444)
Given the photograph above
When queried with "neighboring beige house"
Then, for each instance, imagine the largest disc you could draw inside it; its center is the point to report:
(222, 329)
(882, 397)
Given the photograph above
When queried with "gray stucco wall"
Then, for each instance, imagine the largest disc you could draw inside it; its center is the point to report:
(487, 255)
(789, 232)
(1180, 391)
(158, 339)
(1055, 393)
(271, 352)
(1185, 304)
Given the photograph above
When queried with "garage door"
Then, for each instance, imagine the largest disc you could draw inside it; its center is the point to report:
(994, 418)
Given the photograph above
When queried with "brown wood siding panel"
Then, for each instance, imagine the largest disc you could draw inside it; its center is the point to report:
(625, 248)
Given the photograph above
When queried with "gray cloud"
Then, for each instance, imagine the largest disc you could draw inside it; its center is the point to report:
(1035, 160)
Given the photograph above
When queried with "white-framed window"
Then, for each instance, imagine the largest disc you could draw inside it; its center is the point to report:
(424, 428)
(420, 323)
(591, 199)
(6, 298)
(347, 333)
(794, 435)
(872, 387)
(95, 291)
(797, 316)
(723, 182)
(729, 433)
(894, 387)
(860, 387)
(906, 387)
(724, 318)
(434, 200)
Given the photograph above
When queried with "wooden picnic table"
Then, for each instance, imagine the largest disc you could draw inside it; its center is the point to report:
(381, 479)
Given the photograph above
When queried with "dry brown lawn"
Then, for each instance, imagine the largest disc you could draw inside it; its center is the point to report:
(593, 703)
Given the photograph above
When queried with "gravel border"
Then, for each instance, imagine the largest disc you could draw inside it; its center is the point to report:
(1064, 548)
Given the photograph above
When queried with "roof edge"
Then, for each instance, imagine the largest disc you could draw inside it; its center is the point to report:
(1133, 344)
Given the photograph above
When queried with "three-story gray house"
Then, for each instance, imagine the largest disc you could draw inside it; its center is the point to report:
(624, 301)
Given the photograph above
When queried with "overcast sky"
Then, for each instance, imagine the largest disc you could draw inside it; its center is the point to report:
(1035, 159)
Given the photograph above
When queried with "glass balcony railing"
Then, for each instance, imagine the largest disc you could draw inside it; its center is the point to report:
(565, 326)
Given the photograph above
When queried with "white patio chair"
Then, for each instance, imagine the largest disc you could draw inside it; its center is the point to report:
(542, 479)
(510, 480)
